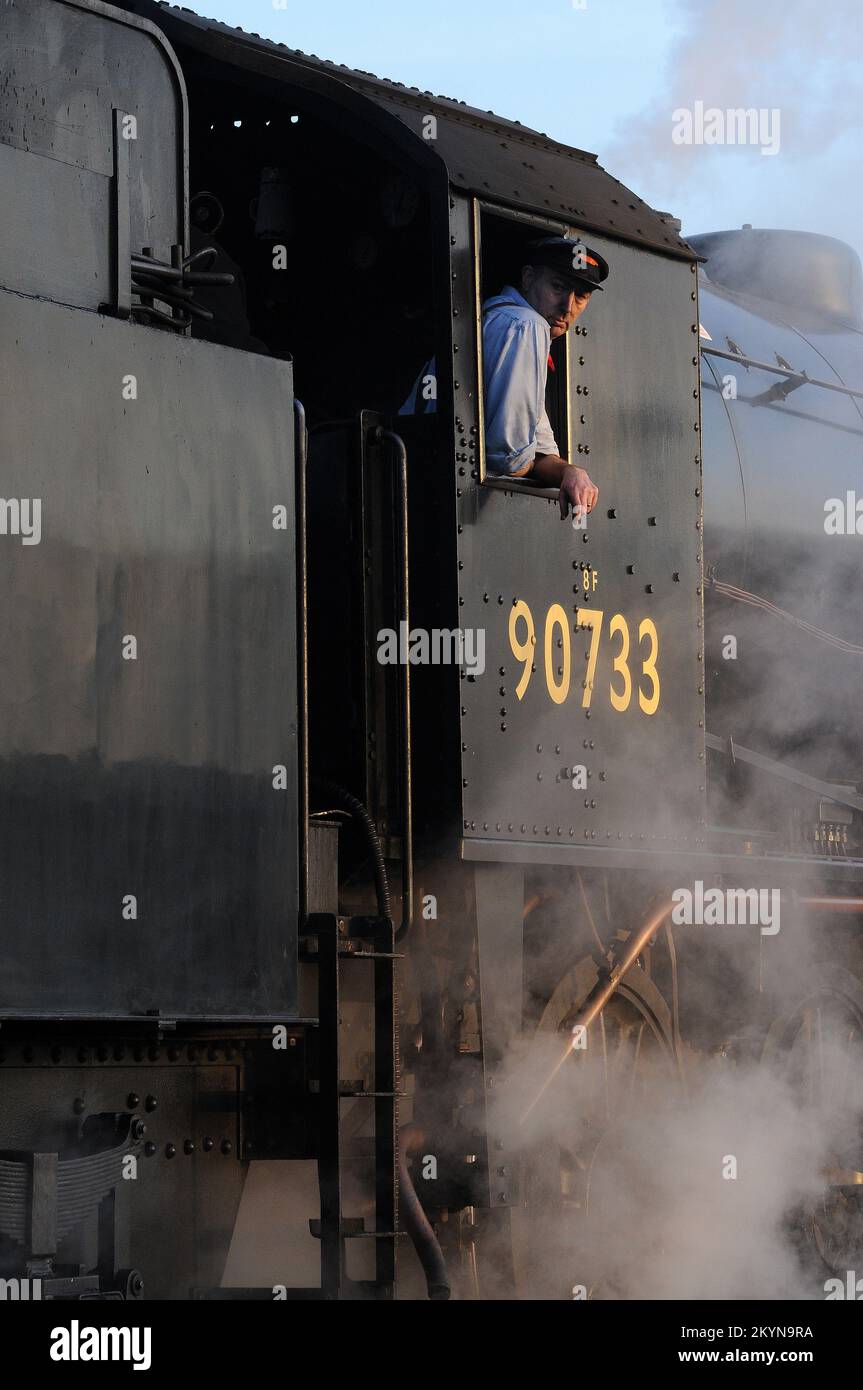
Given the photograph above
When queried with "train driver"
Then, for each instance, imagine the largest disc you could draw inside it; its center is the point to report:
(557, 280)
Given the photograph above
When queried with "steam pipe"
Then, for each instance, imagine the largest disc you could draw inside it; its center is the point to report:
(832, 904)
(608, 981)
(604, 988)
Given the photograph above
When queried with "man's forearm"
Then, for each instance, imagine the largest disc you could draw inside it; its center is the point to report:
(548, 469)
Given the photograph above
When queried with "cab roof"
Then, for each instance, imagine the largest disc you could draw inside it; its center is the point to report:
(484, 153)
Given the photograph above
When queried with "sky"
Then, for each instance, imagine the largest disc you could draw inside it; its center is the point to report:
(614, 76)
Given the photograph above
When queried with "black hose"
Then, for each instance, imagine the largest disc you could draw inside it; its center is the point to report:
(331, 791)
(425, 1242)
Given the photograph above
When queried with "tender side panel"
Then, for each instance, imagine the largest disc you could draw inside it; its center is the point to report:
(148, 681)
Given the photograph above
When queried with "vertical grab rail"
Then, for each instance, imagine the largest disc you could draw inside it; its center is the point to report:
(322, 925)
(380, 435)
(301, 455)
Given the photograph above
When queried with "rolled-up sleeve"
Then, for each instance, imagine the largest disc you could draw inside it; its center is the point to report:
(515, 356)
(545, 440)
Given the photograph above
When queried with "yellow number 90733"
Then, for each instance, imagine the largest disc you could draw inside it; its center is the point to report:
(557, 655)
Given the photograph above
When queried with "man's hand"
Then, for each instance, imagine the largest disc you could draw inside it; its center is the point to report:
(576, 488)
(577, 491)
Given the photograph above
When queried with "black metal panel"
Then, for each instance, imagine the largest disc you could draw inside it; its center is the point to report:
(151, 777)
(68, 65)
(634, 393)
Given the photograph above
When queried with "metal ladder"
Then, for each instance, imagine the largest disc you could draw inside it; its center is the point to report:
(366, 939)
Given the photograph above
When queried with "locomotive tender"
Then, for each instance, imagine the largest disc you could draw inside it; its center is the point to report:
(223, 264)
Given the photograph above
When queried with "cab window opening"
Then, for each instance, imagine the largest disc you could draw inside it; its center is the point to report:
(502, 251)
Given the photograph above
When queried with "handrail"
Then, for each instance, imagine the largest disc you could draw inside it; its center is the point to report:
(301, 457)
(798, 378)
(380, 434)
(832, 791)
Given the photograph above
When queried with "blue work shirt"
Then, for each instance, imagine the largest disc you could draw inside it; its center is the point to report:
(515, 346)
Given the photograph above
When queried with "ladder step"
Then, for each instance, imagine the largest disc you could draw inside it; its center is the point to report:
(370, 955)
(375, 1235)
(370, 1095)
(353, 1228)
(307, 954)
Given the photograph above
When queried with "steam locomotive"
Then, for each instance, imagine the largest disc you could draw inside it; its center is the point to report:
(275, 913)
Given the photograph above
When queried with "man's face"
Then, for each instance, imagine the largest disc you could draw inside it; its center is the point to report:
(553, 297)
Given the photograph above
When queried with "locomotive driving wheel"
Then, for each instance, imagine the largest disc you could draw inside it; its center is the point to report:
(599, 1088)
